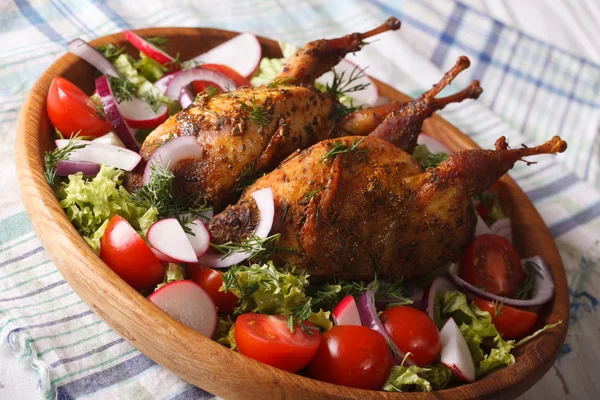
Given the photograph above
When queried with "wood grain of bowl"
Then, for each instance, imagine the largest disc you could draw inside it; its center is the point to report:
(198, 359)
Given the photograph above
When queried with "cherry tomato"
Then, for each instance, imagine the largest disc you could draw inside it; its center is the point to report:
(413, 331)
(229, 72)
(492, 263)
(126, 253)
(267, 338)
(211, 280)
(511, 322)
(72, 111)
(353, 356)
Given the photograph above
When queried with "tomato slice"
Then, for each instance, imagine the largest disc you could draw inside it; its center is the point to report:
(353, 356)
(511, 322)
(71, 111)
(492, 263)
(211, 280)
(126, 253)
(229, 72)
(267, 338)
(413, 331)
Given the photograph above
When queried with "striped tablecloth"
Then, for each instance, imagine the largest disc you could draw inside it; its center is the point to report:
(532, 91)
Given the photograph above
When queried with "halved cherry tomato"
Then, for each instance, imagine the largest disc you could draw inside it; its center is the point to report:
(211, 280)
(71, 111)
(267, 338)
(126, 253)
(492, 263)
(229, 72)
(413, 331)
(353, 356)
(511, 322)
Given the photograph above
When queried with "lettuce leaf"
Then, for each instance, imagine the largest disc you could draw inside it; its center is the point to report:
(224, 334)
(321, 319)
(173, 272)
(417, 379)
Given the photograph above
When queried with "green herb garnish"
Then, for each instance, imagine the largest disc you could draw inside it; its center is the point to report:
(256, 113)
(342, 85)
(340, 148)
(52, 158)
(527, 287)
(260, 249)
(122, 89)
(154, 100)
(158, 41)
(207, 93)
(110, 51)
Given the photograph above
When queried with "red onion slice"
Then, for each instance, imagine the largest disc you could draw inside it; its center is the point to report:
(70, 167)
(543, 292)
(370, 319)
(82, 49)
(438, 287)
(148, 48)
(502, 227)
(101, 153)
(186, 97)
(183, 78)
(266, 208)
(172, 152)
(110, 105)
(163, 82)
(481, 228)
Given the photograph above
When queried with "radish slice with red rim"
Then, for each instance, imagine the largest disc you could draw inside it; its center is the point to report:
(346, 312)
(266, 208)
(186, 97)
(162, 257)
(242, 53)
(70, 167)
(189, 304)
(438, 287)
(148, 48)
(110, 105)
(455, 352)
(369, 95)
(168, 237)
(139, 114)
(199, 237)
(543, 292)
(101, 153)
(433, 145)
(82, 49)
(183, 78)
(370, 319)
(171, 152)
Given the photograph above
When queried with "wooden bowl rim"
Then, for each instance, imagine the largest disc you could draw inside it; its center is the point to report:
(176, 346)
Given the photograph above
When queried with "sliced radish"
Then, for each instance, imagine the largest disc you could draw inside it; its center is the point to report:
(189, 304)
(70, 167)
(481, 228)
(101, 153)
(110, 138)
(186, 97)
(148, 48)
(346, 312)
(455, 352)
(200, 238)
(163, 82)
(168, 237)
(433, 145)
(110, 105)
(183, 78)
(162, 257)
(172, 152)
(369, 95)
(438, 287)
(139, 115)
(266, 208)
(242, 53)
(82, 49)
(502, 227)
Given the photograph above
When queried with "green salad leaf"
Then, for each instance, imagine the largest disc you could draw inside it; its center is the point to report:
(173, 272)
(417, 379)
(224, 334)
(149, 68)
(426, 158)
(91, 203)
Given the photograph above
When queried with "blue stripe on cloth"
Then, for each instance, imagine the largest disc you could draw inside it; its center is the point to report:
(102, 379)
(41, 25)
(37, 291)
(111, 14)
(51, 323)
(552, 188)
(65, 11)
(570, 97)
(537, 88)
(193, 393)
(448, 37)
(86, 354)
(485, 55)
(22, 256)
(593, 152)
(572, 222)
(506, 68)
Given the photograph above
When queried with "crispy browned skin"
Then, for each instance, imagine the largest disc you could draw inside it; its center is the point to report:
(375, 211)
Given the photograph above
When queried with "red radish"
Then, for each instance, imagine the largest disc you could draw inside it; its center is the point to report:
(171, 152)
(346, 312)
(148, 48)
(266, 208)
(433, 145)
(455, 352)
(139, 115)
(481, 228)
(189, 304)
(168, 237)
(369, 95)
(109, 103)
(242, 53)
(186, 97)
(101, 153)
(82, 49)
(438, 287)
(183, 78)
(163, 257)
(69, 167)
(200, 238)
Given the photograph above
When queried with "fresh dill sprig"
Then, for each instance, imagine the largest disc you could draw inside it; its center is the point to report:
(100, 111)
(282, 81)
(52, 158)
(122, 89)
(207, 93)
(341, 148)
(154, 100)
(527, 287)
(342, 85)
(260, 249)
(175, 63)
(110, 51)
(312, 193)
(158, 41)
(256, 113)
(230, 281)
(498, 308)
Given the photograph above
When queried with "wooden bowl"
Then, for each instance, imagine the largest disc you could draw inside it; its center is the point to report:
(198, 359)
